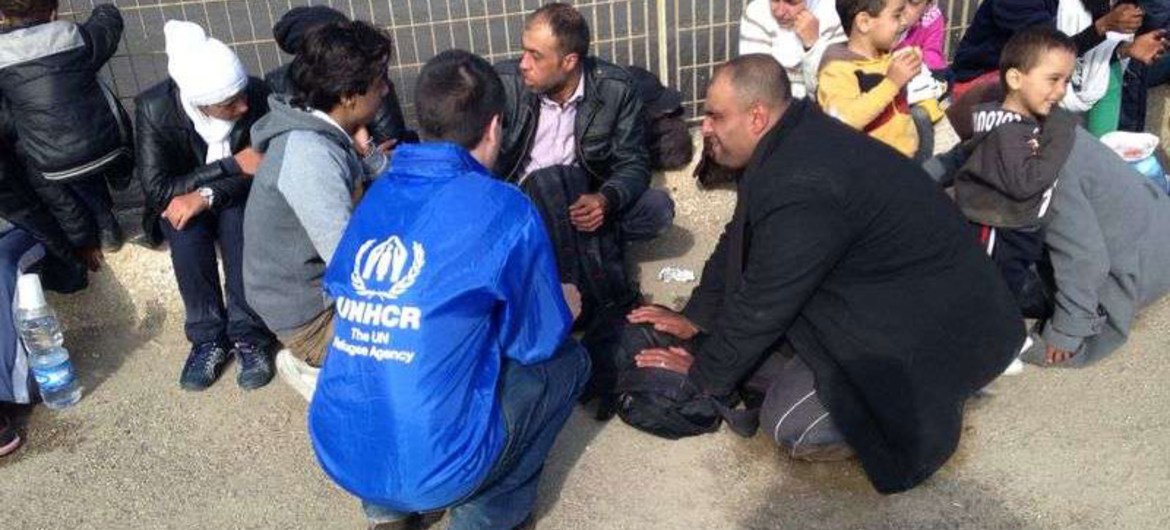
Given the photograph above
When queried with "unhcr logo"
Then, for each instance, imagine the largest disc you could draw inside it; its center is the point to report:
(386, 269)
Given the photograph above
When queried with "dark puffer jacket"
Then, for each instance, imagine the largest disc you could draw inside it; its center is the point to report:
(21, 205)
(68, 216)
(609, 131)
(67, 124)
(171, 154)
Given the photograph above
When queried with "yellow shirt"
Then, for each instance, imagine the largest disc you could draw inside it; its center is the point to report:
(855, 90)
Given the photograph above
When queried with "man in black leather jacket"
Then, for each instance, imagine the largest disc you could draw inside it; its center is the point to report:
(607, 133)
(573, 141)
(289, 32)
(195, 192)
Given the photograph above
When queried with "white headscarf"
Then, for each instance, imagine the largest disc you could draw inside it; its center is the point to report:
(207, 72)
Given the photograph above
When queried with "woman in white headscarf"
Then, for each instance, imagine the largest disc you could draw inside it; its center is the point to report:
(195, 164)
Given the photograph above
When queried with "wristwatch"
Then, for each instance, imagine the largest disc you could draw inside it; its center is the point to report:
(208, 195)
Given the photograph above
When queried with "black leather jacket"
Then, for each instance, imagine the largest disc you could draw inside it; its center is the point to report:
(171, 154)
(67, 124)
(388, 124)
(609, 130)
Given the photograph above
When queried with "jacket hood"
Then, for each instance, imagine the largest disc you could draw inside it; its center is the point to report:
(283, 118)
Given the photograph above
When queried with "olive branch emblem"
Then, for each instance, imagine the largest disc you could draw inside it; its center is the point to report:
(401, 285)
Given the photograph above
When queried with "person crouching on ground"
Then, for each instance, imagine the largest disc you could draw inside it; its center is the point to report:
(856, 274)
(317, 157)
(195, 166)
(451, 370)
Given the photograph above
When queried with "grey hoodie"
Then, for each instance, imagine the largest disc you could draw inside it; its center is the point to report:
(301, 200)
(1108, 235)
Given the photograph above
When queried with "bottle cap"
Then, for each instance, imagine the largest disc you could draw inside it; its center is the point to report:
(29, 294)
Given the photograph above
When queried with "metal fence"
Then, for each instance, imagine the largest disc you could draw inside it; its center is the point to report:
(680, 40)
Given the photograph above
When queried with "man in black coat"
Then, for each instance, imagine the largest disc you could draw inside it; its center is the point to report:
(195, 165)
(847, 255)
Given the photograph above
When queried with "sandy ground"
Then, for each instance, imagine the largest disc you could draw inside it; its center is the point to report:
(1050, 448)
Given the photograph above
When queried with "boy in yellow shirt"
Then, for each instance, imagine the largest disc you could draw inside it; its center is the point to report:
(862, 84)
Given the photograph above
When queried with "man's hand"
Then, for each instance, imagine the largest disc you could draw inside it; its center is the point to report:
(664, 320)
(1124, 18)
(91, 257)
(1056, 356)
(588, 212)
(183, 208)
(1147, 47)
(249, 160)
(674, 359)
(904, 66)
(807, 28)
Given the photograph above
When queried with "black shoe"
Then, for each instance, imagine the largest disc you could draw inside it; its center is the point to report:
(111, 237)
(255, 365)
(203, 366)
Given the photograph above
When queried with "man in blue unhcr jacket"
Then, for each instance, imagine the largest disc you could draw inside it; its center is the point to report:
(451, 371)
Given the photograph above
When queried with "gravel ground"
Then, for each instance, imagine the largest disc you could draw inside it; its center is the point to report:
(1049, 448)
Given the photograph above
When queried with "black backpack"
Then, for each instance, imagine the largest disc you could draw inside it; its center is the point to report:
(667, 404)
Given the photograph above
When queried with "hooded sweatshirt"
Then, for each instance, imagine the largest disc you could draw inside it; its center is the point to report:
(301, 200)
(1109, 244)
(855, 90)
(1008, 179)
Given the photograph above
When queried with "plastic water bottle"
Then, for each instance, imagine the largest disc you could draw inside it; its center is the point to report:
(42, 336)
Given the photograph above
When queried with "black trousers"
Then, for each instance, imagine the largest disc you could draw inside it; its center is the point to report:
(595, 261)
(193, 255)
(1019, 256)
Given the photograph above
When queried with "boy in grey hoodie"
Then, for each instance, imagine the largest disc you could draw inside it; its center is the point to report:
(317, 157)
(1020, 145)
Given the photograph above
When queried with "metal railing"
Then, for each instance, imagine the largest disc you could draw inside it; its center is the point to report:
(680, 40)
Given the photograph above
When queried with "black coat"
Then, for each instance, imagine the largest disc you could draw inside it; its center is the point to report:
(848, 251)
(66, 123)
(608, 130)
(171, 153)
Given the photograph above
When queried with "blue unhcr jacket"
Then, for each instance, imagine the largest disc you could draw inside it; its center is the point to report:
(442, 272)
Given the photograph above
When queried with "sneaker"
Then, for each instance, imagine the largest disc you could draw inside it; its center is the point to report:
(255, 365)
(1017, 366)
(9, 438)
(203, 366)
(297, 373)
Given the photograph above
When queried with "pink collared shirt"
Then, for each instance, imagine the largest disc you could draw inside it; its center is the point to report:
(554, 144)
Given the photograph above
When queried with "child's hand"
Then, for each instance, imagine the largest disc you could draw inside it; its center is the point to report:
(807, 27)
(903, 67)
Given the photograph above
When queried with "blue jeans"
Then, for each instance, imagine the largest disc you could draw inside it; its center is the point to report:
(536, 402)
(193, 258)
(16, 247)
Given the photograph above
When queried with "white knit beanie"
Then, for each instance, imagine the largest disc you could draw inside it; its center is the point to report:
(206, 70)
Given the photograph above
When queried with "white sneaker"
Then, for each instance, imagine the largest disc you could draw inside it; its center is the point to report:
(297, 374)
(1017, 366)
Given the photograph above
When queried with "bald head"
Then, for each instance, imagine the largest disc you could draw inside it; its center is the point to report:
(756, 78)
(747, 96)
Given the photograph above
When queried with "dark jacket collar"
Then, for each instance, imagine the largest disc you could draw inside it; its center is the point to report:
(797, 111)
